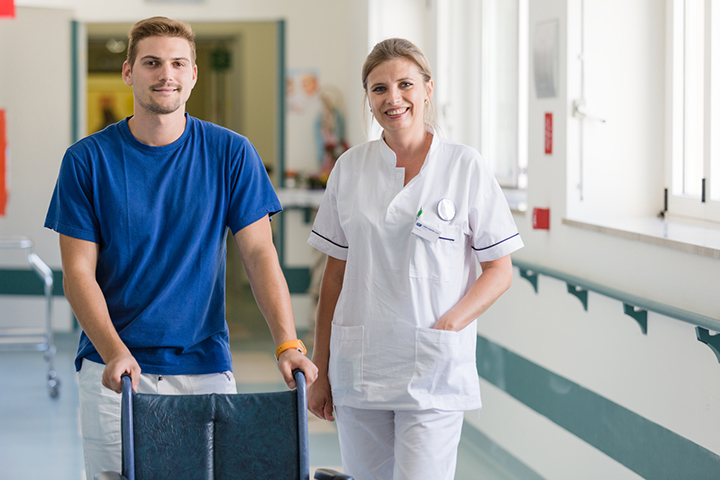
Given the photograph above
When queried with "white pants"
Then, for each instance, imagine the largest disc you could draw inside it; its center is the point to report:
(398, 445)
(100, 409)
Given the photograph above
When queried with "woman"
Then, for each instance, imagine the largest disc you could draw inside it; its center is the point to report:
(403, 220)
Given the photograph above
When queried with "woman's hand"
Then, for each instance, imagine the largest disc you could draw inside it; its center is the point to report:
(495, 278)
(445, 324)
(320, 399)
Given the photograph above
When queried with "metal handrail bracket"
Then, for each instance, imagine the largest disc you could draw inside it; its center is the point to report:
(633, 305)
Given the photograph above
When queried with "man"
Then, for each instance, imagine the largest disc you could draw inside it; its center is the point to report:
(142, 209)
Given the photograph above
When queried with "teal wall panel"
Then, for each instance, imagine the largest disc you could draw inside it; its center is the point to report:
(298, 279)
(26, 282)
(644, 447)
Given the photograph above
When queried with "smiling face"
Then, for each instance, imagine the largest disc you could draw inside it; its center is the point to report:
(397, 93)
(162, 76)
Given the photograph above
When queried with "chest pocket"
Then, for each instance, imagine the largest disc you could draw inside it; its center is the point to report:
(441, 260)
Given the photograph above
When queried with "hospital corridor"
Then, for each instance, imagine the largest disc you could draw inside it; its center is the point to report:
(589, 136)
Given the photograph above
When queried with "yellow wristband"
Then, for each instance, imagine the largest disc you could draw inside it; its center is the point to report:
(291, 344)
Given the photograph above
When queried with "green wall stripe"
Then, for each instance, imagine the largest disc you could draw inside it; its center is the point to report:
(26, 282)
(644, 447)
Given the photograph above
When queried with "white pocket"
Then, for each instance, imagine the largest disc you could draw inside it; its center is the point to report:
(438, 260)
(437, 363)
(346, 357)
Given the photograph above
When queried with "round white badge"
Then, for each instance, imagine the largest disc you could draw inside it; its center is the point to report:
(446, 209)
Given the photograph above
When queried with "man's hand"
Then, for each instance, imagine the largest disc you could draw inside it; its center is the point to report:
(290, 360)
(116, 368)
(320, 399)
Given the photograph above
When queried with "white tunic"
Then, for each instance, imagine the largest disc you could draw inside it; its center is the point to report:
(383, 352)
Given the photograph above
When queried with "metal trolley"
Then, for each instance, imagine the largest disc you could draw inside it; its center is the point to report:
(33, 338)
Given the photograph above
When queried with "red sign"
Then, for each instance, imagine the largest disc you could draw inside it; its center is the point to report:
(548, 133)
(3, 151)
(7, 8)
(541, 218)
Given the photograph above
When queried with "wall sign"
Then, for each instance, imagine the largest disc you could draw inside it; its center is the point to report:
(545, 59)
(3, 164)
(548, 133)
(7, 8)
(541, 218)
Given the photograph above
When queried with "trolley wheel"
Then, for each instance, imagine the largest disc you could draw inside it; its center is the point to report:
(53, 385)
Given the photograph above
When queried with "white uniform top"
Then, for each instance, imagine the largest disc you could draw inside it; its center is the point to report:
(383, 353)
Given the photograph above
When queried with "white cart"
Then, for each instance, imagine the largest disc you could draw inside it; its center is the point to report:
(33, 338)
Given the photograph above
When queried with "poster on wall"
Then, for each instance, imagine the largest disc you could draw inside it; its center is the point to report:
(301, 90)
(303, 106)
(7, 8)
(3, 164)
(545, 59)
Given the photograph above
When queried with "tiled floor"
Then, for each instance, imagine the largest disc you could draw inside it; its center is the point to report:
(39, 436)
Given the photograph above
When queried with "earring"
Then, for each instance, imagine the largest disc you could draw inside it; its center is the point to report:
(426, 101)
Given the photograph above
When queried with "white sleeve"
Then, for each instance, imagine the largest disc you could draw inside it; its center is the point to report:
(494, 233)
(327, 234)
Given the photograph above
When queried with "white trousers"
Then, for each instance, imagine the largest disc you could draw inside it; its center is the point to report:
(398, 445)
(100, 409)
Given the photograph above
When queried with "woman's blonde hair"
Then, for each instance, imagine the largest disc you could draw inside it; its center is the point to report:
(391, 49)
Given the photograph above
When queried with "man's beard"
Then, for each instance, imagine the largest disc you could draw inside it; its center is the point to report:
(158, 109)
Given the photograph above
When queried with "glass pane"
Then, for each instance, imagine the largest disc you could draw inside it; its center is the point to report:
(694, 93)
(715, 107)
(501, 141)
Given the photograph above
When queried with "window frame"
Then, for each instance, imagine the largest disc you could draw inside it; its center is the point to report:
(706, 206)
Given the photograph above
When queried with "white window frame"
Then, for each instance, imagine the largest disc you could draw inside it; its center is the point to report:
(679, 203)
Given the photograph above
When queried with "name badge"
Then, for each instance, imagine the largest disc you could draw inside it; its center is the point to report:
(423, 231)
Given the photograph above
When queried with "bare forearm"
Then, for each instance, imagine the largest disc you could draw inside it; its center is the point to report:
(330, 289)
(79, 259)
(320, 394)
(495, 279)
(88, 304)
(271, 294)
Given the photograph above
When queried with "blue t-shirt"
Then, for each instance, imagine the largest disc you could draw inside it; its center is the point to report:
(160, 217)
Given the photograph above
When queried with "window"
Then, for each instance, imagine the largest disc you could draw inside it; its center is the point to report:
(693, 179)
(481, 81)
(504, 90)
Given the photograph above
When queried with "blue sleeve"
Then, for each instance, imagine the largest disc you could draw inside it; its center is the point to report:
(251, 194)
(71, 210)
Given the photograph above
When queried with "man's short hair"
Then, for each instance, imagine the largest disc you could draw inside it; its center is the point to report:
(158, 27)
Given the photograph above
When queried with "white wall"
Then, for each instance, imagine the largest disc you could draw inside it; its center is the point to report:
(35, 86)
(38, 121)
(666, 376)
